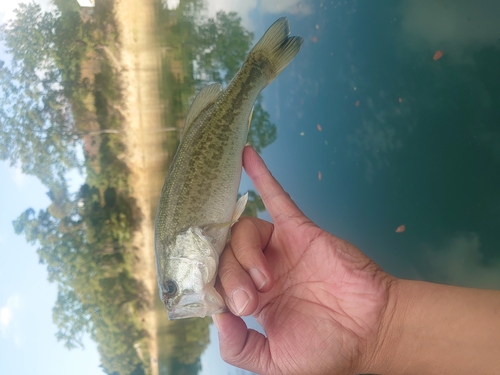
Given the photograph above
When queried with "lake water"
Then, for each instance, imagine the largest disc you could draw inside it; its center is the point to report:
(385, 130)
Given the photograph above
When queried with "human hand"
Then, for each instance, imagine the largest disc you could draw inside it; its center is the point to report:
(319, 299)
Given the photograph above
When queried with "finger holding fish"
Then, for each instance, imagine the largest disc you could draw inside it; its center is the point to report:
(244, 272)
(236, 286)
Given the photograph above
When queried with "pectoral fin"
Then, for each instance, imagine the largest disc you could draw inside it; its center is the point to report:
(238, 210)
(240, 207)
(219, 226)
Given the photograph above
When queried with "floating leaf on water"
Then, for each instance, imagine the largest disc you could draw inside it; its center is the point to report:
(319, 127)
(401, 229)
(437, 55)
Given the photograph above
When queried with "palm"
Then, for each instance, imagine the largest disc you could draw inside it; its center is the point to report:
(335, 310)
(320, 302)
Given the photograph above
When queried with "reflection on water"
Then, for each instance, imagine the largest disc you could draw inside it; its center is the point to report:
(377, 133)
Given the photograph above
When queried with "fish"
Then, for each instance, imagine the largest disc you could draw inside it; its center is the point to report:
(197, 204)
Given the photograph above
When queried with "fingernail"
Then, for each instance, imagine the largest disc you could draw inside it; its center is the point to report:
(240, 300)
(258, 278)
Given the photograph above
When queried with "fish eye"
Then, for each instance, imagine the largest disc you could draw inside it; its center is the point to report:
(169, 288)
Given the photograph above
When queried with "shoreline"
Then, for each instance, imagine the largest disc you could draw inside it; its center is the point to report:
(145, 155)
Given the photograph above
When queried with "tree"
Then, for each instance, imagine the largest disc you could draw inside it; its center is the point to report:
(254, 204)
(262, 131)
(37, 128)
(221, 46)
(192, 338)
(87, 254)
(84, 238)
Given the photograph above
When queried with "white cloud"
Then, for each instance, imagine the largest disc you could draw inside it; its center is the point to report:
(7, 314)
(286, 6)
(171, 4)
(454, 26)
(7, 8)
(22, 180)
(244, 8)
(459, 261)
(18, 176)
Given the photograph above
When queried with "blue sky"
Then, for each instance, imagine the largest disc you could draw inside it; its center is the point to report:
(26, 297)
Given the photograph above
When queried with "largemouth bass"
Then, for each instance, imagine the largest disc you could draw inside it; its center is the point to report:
(197, 204)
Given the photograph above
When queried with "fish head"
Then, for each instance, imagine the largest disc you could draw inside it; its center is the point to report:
(186, 282)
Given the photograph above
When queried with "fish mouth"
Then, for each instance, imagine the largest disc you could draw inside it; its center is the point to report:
(196, 306)
(193, 310)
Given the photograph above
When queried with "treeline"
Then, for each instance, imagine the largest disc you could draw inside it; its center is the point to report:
(51, 109)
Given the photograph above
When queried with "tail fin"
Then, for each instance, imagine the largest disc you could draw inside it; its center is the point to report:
(275, 49)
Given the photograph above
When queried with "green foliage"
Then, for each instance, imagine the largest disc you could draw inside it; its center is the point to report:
(66, 5)
(84, 240)
(262, 131)
(222, 44)
(36, 91)
(191, 339)
(180, 368)
(87, 254)
(254, 204)
(72, 318)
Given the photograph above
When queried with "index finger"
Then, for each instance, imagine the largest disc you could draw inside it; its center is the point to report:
(278, 203)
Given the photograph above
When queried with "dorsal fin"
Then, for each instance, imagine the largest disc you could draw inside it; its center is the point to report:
(204, 99)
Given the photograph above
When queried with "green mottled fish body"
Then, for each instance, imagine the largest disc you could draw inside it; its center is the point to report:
(198, 202)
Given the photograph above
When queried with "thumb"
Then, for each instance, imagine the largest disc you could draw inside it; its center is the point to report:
(240, 346)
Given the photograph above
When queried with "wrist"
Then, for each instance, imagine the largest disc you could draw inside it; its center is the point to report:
(382, 351)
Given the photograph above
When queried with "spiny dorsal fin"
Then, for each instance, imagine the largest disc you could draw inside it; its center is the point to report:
(205, 98)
